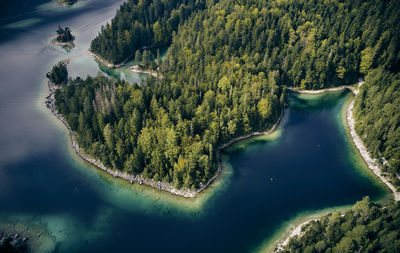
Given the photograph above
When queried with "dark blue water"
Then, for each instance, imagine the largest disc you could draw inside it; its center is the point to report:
(310, 160)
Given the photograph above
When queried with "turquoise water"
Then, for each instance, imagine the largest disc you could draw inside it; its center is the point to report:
(310, 160)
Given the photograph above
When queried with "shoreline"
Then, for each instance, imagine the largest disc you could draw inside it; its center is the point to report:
(314, 92)
(140, 179)
(69, 45)
(252, 134)
(292, 227)
(135, 69)
(124, 62)
(296, 231)
(370, 162)
(107, 63)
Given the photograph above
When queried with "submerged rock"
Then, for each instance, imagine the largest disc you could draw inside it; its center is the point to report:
(13, 243)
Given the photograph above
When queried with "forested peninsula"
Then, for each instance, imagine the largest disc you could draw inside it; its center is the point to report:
(225, 75)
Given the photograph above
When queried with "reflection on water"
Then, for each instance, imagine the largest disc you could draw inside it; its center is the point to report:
(45, 187)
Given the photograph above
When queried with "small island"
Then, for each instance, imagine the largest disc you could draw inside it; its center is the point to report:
(64, 38)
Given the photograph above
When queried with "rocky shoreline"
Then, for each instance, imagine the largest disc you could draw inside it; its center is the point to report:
(296, 231)
(371, 162)
(139, 179)
(50, 103)
(68, 45)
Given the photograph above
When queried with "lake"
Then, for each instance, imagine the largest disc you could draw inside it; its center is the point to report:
(306, 167)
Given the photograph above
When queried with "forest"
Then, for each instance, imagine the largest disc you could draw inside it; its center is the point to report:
(167, 135)
(225, 75)
(142, 24)
(377, 114)
(366, 227)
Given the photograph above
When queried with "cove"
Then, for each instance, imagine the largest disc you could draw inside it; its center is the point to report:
(45, 188)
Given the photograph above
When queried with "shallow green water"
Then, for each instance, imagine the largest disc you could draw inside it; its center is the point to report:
(310, 160)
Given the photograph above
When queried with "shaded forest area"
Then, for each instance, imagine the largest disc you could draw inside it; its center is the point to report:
(140, 24)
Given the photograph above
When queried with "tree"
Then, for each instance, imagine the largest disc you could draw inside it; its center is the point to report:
(340, 72)
(64, 35)
(366, 60)
(158, 33)
(224, 83)
(159, 61)
(146, 58)
(137, 57)
(264, 108)
(58, 74)
(108, 136)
